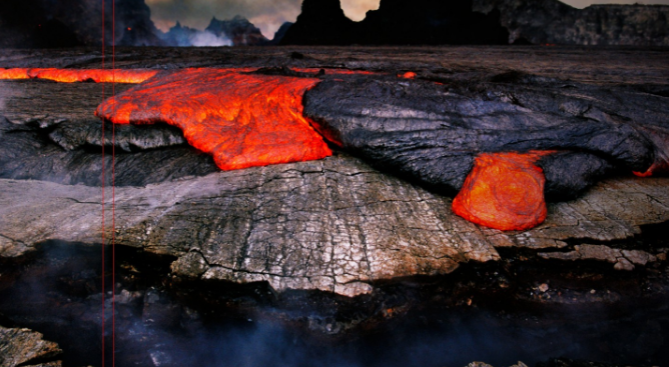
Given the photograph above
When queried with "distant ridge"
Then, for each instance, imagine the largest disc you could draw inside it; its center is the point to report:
(553, 22)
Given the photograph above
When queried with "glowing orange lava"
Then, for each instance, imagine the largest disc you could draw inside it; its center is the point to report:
(243, 120)
(504, 191)
(8, 74)
(408, 75)
(134, 76)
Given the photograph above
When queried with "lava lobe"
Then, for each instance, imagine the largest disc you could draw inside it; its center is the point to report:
(81, 75)
(504, 191)
(243, 120)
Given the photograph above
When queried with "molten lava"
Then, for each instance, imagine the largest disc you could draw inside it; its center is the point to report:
(243, 120)
(504, 191)
(71, 75)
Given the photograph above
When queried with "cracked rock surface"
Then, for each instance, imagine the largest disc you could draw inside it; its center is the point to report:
(24, 347)
(335, 225)
(342, 224)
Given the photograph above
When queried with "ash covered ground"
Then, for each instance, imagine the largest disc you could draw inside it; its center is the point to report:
(358, 251)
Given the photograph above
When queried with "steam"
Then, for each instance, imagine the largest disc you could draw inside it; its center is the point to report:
(208, 39)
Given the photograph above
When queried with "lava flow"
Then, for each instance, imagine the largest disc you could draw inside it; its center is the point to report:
(243, 120)
(504, 191)
(71, 75)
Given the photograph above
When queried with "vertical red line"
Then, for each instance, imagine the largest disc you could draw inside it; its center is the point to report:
(113, 183)
(103, 191)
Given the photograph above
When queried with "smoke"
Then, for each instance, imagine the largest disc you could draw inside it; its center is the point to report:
(268, 15)
(208, 39)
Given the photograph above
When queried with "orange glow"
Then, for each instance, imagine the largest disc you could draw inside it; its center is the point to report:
(408, 75)
(243, 120)
(8, 74)
(504, 191)
(657, 167)
(130, 29)
(81, 75)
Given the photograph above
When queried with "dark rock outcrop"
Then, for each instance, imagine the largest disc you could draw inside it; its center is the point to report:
(238, 30)
(43, 23)
(553, 22)
(322, 22)
(281, 33)
(432, 133)
(179, 36)
(396, 22)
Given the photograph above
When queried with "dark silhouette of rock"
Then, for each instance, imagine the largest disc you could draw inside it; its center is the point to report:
(281, 33)
(239, 30)
(553, 22)
(429, 22)
(43, 23)
(322, 22)
(396, 22)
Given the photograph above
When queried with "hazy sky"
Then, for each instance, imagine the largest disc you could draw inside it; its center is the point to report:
(268, 15)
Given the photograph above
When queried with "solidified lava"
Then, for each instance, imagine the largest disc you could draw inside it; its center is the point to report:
(504, 191)
(243, 120)
(81, 75)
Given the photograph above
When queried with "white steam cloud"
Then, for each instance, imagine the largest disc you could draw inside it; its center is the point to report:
(209, 39)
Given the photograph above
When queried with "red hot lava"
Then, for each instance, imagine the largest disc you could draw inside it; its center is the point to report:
(504, 191)
(81, 75)
(243, 120)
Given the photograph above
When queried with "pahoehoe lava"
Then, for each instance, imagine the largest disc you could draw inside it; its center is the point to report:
(427, 130)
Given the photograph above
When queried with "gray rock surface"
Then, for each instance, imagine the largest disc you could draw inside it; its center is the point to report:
(26, 348)
(334, 225)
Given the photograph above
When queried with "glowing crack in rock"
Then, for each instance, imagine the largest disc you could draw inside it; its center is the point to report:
(134, 76)
(243, 120)
(504, 191)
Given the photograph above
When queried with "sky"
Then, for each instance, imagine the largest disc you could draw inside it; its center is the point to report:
(268, 15)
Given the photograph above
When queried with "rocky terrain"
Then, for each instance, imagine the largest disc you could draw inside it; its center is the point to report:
(424, 22)
(344, 247)
(553, 22)
(41, 23)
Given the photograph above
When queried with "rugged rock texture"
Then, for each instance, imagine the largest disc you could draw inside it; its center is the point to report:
(431, 132)
(339, 224)
(397, 22)
(180, 36)
(239, 30)
(24, 347)
(43, 23)
(553, 22)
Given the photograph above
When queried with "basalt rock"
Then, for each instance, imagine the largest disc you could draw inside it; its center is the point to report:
(24, 347)
(553, 22)
(341, 224)
(432, 132)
